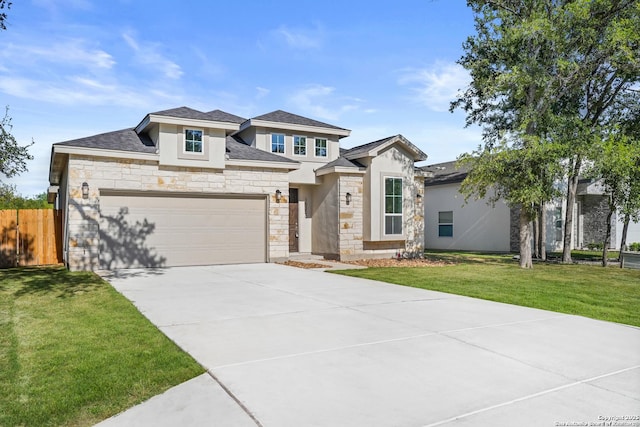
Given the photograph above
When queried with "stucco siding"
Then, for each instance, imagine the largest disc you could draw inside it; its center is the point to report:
(325, 207)
(476, 225)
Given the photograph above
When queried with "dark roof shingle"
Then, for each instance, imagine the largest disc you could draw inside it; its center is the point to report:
(445, 173)
(239, 150)
(190, 113)
(280, 116)
(124, 140)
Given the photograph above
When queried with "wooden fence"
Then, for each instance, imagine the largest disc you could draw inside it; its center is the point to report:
(30, 237)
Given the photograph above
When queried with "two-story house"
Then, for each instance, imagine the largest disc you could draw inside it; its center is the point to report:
(185, 187)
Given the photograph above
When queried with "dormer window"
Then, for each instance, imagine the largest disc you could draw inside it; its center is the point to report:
(192, 141)
(277, 143)
(321, 147)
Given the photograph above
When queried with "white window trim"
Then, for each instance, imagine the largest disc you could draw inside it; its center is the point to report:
(384, 207)
(445, 223)
(306, 146)
(326, 148)
(184, 142)
(284, 143)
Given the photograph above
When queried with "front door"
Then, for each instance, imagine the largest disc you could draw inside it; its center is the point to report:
(293, 220)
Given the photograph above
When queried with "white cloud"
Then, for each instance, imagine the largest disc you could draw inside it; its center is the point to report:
(261, 92)
(300, 39)
(70, 53)
(320, 101)
(148, 54)
(436, 86)
(77, 90)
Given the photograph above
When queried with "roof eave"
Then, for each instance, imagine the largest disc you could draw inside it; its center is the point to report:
(340, 169)
(341, 133)
(154, 118)
(262, 164)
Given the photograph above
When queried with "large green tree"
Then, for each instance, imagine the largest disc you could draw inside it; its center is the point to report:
(598, 68)
(547, 77)
(509, 60)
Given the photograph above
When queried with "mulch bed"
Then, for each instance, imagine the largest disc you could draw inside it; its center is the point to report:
(393, 262)
(304, 264)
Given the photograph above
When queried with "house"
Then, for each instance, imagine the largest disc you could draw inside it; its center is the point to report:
(476, 225)
(186, 187)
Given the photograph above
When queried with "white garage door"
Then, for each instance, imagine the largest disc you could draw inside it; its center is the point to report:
(164, 230)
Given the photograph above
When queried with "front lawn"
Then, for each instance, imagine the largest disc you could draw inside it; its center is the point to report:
(611, 294)
(73, 351)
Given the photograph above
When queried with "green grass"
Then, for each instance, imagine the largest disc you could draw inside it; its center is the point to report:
(611, 294)
(73, 351)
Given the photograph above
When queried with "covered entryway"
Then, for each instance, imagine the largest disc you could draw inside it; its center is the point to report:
(157, 229)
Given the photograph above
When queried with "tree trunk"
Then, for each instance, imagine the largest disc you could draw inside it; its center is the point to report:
(525, 239)
(607, 237)
(623, 239)
(536, 235)
(572, 188)
(542, 232)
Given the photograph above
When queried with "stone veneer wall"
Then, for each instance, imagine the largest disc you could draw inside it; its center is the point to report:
(123, 174)
(595, 209)
(415, 223)
(351, 217)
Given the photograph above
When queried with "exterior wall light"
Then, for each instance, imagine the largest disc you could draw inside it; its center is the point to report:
(278, 196)
(418, 197)
(85, 190)
(348, 198)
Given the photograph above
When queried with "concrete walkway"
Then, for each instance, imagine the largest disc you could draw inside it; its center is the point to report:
(285, 346)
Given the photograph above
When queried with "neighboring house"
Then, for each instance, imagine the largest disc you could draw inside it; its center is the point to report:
(186, 187)
(476, 225)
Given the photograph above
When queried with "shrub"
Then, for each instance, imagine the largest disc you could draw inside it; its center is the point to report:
(595, 246)
(635, 247)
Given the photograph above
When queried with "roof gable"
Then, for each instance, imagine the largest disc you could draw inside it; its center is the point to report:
(372, 149)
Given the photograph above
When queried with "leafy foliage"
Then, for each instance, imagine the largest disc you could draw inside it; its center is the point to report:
(10, 199)
(550, 80)
(4, 4)
(13, 157)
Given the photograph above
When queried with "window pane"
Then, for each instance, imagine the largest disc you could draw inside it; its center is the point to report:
(189, 146)
(388, 186)
(445, 217)
(397, 187)
(445, 230)
(397, 225)
(197, 147)
(197, 135)
(397, 205)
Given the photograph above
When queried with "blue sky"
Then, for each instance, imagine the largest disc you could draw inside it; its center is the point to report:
(74, 68)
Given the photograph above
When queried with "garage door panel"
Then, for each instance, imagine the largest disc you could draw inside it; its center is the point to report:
(153, 231)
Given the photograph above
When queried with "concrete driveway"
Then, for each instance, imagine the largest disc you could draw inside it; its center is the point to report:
(290, 347)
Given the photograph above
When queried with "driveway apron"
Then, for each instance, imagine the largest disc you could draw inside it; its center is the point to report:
(285, 346)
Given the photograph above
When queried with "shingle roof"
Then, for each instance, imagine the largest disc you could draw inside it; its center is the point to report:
(363, 150)
(445, 173)
(280, 116)
(124, 140)
(239, 150)
(129, 140)
(342, 163)
(190, 113)
(223, 116)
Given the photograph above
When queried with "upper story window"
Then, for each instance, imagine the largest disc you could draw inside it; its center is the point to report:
(277, 143)
(321, 147)
(445, 224)
(192, 141)
(392, 205)
(300, 145)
